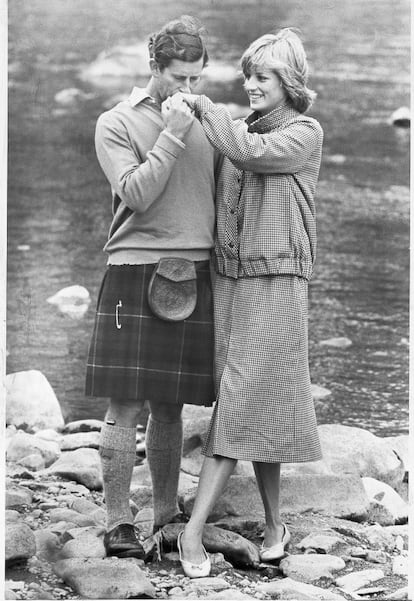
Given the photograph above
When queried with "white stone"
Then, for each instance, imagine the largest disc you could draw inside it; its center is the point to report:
(33, 462)
(19, 542)
(210, 583)
(398, 595)
(18, 495)
(379, 537)
(81, 465)
(340, 342)
(83, 425)
(400, 446)
(23, 444)
(385, 495)
(356, 580)
(401, 117)
(31, 401)
(287, 588)
(79, 440)
(319, 392)
(84, 545)
(73, 301)
(320, 541)
(310, 568)
(49, 434)
(400, 565)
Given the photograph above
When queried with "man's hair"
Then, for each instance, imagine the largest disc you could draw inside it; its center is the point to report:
(282, 53)
(180, 39)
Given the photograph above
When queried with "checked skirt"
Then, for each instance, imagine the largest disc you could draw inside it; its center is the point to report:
(134, 354)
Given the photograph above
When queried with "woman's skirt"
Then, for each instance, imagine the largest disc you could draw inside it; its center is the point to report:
(264, 410)
(135, 355)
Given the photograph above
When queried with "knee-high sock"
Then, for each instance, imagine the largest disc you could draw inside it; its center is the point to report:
(164, 446)
(117, 450)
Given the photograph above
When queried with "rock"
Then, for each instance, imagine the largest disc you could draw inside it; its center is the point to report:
(356, 580)
(49, 434)
(378, 514)
(289, 589)
(95, 531)
(31, 401)
(110, 578)
(375, 556)
(73, 301)
(69, 515)
(23, 444)
(237, 550)
(378, 537)
(84, 545)
(144, 521)
(83, 425)
(401, 117)
(19, 542)
(400, 446)
(337, 342)
(320, 542)
(9, 594)
(348, 450)
(141, 476)
(340, 496)
(310, 568)
(33, 462)
(71, 97)
(400, 565)
(11, 515)
(385, 495)
(210, 583)
(81, 465)
(142, 496)
(399, 595)
(319, 392)
(47, 545)
(80, 440)
(17, 496)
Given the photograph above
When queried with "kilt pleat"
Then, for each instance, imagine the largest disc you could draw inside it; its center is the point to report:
(264, 410)
(139, 356)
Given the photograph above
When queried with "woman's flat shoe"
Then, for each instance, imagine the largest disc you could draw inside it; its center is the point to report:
(276, 551)
(193, 570)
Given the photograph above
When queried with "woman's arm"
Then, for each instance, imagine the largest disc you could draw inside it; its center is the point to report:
(283, 151)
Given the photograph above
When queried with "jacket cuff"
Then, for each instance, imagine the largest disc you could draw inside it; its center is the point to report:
(203, 105)
(170, 143)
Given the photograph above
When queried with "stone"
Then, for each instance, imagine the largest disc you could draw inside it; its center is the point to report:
(348, 450)
(72, 301)
(398, 595)
(49, 434)
(144, 521)
(9, 594)
(31, 401)
(378, 537)
(47, 545)
(312, 567)
(24, 444)
(210, 583)
(379, 514)
(69, 515)
(239, 551)
(356, 580)
(289, 589)
(387, 497)
(83, 425)
(11, 515)
(320, 542)
(401, 117)
(376, 556)
(142, 496)
(400, 446)
(33, 462)
(319, 392)
(81, 465)
(70, 97)
(80, 440)
(83, 506)
(400, 565)
(109, 578)
(20, 542)
(340, 342)
(336, 495)
(17, 496)
(84, 545)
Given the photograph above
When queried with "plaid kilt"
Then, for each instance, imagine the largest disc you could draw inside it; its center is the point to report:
(264, 410)
(148, 358)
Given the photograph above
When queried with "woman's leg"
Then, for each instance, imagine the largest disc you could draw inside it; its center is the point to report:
(268, 480)
(213, 478)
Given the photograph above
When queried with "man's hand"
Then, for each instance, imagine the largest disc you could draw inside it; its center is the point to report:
(177, 116)
(189, 99)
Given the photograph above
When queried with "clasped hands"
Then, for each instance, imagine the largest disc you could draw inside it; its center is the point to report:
(177, 113)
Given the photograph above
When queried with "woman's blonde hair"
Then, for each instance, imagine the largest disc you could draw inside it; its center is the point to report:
(283, 53)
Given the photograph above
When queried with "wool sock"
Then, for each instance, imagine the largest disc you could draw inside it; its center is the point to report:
(117, 451)
(164, 443)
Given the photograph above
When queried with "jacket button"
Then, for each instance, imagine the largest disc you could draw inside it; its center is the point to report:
(231, 244)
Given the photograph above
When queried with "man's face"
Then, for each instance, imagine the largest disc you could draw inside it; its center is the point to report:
(179, 76)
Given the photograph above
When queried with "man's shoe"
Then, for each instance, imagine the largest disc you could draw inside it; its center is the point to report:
(121, 541)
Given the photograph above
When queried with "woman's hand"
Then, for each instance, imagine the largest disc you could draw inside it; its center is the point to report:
(177, 116)
(189, 99)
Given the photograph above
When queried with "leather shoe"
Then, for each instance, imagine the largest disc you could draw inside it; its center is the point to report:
(122, 541)
(193, 570)
(278, 550)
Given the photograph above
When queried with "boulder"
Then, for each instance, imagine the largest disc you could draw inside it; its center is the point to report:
(47, 545)
(289, 589)
(142, 496)
(80, 440)
(350, 450)
(18, 495)
(356, 580)
(83, 425)
(385, 495)
(339, 496)
(110, 578)
(320, 542)
(84, 545)
(23, 444)
(400, 446)
(401, 117)
(72, 301)
(31, 401)
(311, 567)
(49, 434)
(20, 542)
(11, 515)
(63, 514)
(33, 462)
(81, 465)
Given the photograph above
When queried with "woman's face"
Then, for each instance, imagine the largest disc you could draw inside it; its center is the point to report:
(264, 91)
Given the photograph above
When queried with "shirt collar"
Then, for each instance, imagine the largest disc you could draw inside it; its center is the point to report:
(272, 120)
(138, 95)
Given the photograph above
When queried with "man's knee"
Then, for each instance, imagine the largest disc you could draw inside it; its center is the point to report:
(166, 412)
(124, 412)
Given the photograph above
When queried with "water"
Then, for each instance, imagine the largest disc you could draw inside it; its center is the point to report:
(59, 201)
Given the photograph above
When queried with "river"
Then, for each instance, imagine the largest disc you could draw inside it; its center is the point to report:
(59, 201)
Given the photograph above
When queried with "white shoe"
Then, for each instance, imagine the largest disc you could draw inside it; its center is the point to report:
(193, 570)
(278, 550)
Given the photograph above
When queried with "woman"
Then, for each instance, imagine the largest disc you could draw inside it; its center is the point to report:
(264, 255)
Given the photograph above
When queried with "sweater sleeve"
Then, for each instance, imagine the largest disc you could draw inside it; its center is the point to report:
(283, 151)
(138, 183)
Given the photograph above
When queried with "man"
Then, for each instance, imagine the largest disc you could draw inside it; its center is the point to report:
(161, 170)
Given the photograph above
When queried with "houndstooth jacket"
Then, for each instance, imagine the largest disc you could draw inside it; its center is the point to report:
(265, 196)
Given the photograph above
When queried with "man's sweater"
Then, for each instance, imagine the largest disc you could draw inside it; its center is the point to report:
(163, 188)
